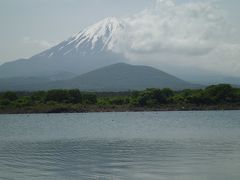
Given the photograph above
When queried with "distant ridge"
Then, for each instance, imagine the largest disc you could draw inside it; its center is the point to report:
(124, 77)
(116, 77)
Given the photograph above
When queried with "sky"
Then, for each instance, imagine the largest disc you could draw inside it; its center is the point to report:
(206, 31)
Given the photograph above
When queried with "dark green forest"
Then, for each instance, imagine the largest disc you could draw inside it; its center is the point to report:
(215, 97)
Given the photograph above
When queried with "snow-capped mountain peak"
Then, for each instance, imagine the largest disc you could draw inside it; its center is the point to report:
(92, 40)
(103, 30)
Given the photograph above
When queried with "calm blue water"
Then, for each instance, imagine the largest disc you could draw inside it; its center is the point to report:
(162, 145)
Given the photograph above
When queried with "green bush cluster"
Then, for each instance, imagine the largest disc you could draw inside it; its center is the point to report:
(212, 95)
(57, 96)
(151, 97)
(73, 96)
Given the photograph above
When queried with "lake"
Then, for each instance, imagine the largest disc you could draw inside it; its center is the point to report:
(138, 146)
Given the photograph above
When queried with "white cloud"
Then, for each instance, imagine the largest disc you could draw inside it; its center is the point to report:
(41, 43)
(193, 33)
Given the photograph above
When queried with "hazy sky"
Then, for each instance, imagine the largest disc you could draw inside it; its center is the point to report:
(29, 26)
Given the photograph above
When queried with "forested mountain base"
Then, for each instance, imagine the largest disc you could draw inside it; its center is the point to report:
(215, 97)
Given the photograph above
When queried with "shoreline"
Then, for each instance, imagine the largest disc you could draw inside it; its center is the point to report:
(97, 109)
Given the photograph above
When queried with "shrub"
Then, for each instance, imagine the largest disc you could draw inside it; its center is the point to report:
(89, 98)
(11, 96)
(64, 96)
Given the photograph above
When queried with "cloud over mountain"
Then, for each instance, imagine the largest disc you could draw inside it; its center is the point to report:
(41, 43)
(193, 33)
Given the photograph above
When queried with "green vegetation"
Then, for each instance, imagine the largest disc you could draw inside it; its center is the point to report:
(216, 97)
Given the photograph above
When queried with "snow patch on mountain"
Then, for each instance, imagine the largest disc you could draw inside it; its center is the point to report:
(103, 30)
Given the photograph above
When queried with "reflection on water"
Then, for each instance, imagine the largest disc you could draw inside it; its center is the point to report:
(121, 146)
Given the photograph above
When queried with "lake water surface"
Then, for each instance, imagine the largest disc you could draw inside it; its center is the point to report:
(149, 145)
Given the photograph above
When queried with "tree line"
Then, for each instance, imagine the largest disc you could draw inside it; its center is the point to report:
(152, 97)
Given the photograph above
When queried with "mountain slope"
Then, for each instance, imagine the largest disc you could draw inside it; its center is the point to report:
(22, 83)
(123, 77)
(31, 83)
(83, 52)
(117, 77)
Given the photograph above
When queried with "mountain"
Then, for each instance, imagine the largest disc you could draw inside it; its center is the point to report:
(117, 77)
(123, 77)
(28, 83)
(61, 76)
(201, 76)
(90, 49)
(22, 83)
(83, 52)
